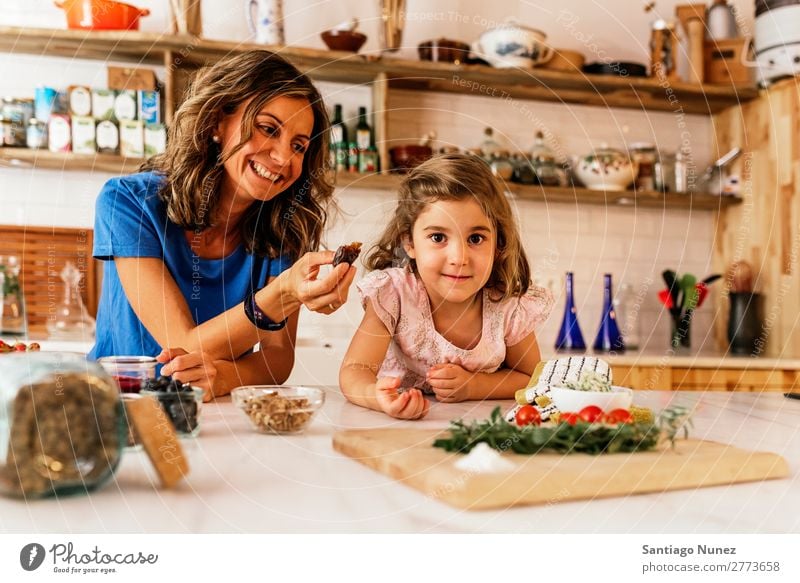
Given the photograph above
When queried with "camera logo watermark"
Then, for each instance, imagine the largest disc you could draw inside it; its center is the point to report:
(31, 556)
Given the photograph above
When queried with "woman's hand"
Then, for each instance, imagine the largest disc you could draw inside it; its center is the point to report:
(324, 295)
(450, 382)
(195, 368)
(411, 404)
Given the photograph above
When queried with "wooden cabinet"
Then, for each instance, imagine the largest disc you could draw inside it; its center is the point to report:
(783, 377)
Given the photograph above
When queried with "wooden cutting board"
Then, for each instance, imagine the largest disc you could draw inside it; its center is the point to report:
(407, 455)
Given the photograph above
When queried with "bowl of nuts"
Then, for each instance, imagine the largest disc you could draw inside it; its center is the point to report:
(279, 409)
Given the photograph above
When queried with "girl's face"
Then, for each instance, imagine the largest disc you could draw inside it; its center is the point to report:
(272, 159)
(453, 243)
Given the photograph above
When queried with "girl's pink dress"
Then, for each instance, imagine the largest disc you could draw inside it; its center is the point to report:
(401, 302)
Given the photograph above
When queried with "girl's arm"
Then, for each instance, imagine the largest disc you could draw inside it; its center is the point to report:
(162, 309)
(358, 376)
(451, 383)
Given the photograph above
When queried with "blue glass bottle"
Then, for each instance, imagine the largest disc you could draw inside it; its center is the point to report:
(609, 338)
(569, 336)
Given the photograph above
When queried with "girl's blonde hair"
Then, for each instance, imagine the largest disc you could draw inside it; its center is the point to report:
(292, 222)
(456, 177)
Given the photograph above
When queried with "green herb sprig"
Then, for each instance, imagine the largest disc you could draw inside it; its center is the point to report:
(583, 437)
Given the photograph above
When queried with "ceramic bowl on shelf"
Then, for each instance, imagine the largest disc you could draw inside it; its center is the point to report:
(513, 45)
(606, 169)
(409, 156)
(343, 40)
(565, 60)
(279, 409)
(574, 400)
(443, 50)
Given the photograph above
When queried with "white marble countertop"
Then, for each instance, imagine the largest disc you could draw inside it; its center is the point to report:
(243, 481)
(646, 358)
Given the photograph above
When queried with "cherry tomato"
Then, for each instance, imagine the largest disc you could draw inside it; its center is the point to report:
(571, 418)
(20, 347)
(591, 413)
(618, 416)
(527, 415)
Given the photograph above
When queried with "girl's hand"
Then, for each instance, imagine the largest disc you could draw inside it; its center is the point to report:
(450, 382)
(196, 368)
(412, 404)
(324, 295)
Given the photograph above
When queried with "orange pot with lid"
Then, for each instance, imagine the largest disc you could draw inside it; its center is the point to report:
(101, 14)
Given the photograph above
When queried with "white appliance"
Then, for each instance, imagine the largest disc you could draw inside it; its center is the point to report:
(777, 39)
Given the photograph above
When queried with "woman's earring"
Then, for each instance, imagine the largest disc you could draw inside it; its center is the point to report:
(215, 139)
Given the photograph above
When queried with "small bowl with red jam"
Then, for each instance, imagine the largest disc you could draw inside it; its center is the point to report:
(130, 372)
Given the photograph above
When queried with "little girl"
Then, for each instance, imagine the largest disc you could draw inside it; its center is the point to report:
(449, 309)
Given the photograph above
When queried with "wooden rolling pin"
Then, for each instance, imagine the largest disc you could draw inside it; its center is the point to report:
(693, 21)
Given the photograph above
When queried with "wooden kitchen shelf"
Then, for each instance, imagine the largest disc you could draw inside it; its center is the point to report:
(574, 195)
(187, 52)
(27, 158)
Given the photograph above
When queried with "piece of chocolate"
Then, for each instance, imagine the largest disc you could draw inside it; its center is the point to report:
(347, 253)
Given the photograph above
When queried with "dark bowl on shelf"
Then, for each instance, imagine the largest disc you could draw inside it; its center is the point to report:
(409, 156)
(616, 68)
(443, 50)
(343, 40)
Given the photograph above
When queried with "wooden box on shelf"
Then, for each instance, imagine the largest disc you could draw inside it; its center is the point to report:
(725, 61)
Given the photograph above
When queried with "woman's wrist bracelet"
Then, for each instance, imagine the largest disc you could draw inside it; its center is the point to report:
(259, 319)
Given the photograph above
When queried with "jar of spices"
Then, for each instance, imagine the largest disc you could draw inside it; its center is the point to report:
(62, 425)
(7, 134)
(501, 165)
(672, 172)
(547, 170)
(37, 134)
(14, 110)
(523, 171)
(645, 154)
(489, 146)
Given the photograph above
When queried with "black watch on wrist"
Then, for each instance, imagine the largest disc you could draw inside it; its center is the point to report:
(259, 319)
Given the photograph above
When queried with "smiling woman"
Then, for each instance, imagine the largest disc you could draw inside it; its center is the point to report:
(211, 249)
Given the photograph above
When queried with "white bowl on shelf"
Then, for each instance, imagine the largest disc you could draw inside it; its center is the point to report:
(573, 400)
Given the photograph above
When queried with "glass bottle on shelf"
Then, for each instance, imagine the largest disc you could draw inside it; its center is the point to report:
(339, 148)
(363, 135)
(71, 320)
(569, 335)
(627, 308)
(609, 338)
(13, 320)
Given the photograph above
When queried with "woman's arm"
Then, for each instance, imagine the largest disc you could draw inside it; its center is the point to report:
(452, 383)
(162, 309)
(271, 365)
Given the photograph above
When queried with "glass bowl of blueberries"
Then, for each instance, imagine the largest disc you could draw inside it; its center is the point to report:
(181, 402)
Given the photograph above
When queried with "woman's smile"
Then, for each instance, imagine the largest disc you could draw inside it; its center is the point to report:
(263, 172)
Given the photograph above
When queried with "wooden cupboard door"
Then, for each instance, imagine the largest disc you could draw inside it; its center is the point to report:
(42, 253)
(643, 378)
(706, 379)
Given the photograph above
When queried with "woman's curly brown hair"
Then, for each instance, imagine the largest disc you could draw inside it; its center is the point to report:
(292, 222)
(456, 177)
